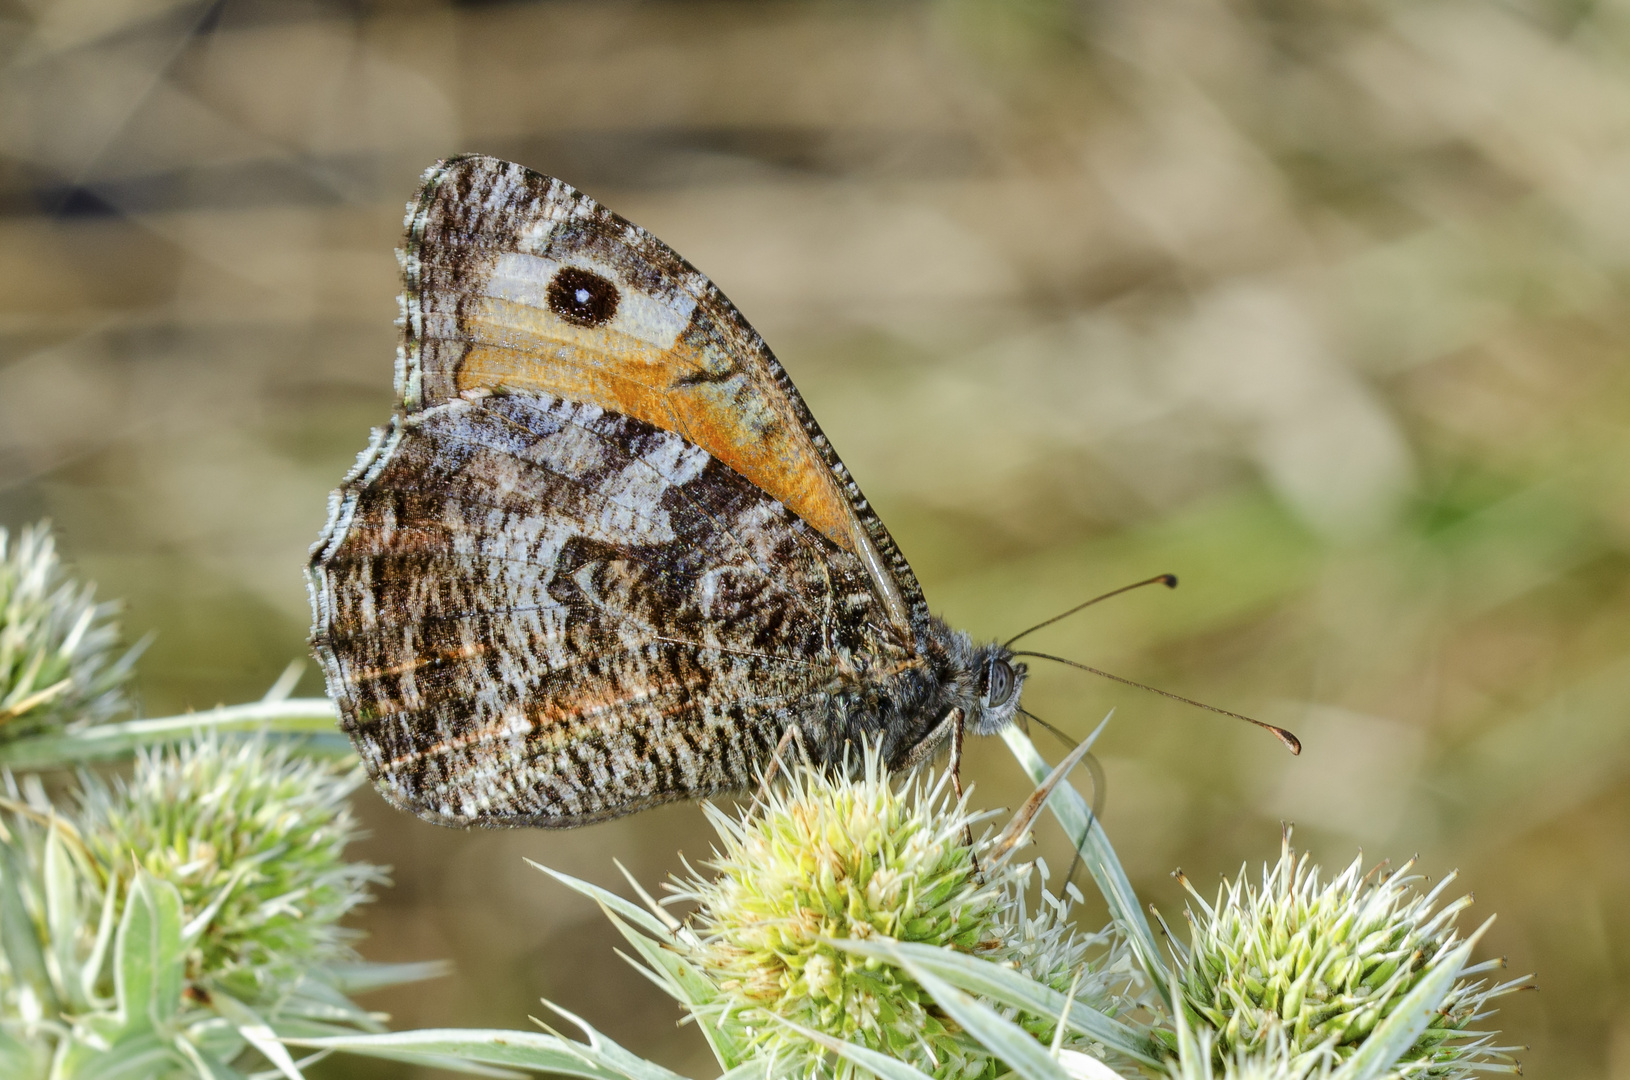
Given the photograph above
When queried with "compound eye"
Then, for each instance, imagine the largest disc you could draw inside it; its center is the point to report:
(998, 683)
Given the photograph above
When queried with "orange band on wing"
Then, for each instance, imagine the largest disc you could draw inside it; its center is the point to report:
(516, 346)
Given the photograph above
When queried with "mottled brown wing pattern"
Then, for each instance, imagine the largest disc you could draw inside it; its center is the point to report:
(532, 611)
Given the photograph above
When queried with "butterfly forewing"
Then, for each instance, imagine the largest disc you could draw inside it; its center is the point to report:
(515, 279)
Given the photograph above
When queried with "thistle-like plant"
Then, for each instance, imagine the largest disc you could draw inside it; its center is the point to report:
(830, 859)
(1300, 967)
(175, 923)
(252, 836)
(60, 659)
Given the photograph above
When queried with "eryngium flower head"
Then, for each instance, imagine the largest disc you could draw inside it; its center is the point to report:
(1323, 963)
(253, 838)
(872, 857)
(58, 647)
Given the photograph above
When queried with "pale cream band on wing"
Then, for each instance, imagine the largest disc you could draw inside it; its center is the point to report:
(525, 279)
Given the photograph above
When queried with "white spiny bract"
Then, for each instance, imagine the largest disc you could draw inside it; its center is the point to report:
(59, 649)
(872, 857)
(1271, 1059)
(1318, 965)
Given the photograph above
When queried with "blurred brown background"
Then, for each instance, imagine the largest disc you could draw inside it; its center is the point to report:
(1319, 305)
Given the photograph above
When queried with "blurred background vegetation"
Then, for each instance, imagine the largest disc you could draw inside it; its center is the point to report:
(1319, 305)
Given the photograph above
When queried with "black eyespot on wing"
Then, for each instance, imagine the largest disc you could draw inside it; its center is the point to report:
(582, 297)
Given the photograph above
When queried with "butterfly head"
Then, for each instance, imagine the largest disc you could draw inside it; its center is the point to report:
(1000, 678)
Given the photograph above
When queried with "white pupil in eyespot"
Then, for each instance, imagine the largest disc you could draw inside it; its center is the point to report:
(582, 296)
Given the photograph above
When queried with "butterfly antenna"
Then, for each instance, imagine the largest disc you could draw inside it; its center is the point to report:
(1095, 769)
(1057, 734)
(1168, 580)
(1292, 743)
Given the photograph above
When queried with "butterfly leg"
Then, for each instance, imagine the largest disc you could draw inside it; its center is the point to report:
(949, 727)
(956, 783)
(774, 766)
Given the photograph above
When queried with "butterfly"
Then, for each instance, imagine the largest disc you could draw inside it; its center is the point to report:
(602, 557)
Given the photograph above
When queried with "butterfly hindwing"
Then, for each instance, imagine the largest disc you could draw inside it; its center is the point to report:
(532, 611)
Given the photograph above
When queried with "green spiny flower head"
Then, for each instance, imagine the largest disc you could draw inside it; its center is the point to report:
(58, 647)
(831, 857)
(253, 838)
(1320, 964)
